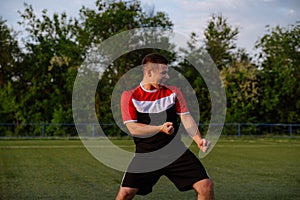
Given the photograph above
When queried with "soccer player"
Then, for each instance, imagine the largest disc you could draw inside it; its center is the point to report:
(150, 112)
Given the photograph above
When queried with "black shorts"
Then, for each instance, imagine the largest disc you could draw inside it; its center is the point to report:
(183, 172)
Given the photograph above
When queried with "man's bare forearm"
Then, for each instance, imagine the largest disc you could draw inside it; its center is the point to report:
(145, 130)
(191, 127)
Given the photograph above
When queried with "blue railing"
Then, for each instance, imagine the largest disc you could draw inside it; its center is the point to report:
(240, 129)
(69, 129)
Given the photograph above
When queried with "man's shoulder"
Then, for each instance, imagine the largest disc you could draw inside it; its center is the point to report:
(171, 88)
(131, 91)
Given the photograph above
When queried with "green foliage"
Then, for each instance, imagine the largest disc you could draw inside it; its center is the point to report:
(241, 83)
(10, 55)
(280, 74)
(110, 19)
(36, 83)
(220, 40)
(195, 79)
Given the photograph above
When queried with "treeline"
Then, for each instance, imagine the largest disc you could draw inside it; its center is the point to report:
(37, 77)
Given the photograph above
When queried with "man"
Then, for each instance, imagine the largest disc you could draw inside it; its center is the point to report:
(150, 112)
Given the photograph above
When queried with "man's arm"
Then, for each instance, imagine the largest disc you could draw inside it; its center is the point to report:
(192, 129)
(144, 130)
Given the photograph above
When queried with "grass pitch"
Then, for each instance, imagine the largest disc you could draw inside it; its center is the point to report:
(63, 169)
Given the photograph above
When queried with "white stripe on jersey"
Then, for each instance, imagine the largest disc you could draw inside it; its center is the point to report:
(156, 106)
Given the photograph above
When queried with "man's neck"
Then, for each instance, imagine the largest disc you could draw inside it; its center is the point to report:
(150, 86)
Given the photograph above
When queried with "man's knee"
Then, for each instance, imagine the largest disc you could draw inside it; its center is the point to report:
(126, 193)
(205, 188)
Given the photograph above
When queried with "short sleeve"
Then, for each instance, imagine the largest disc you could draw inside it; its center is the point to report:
(181, 106)
(127, 108)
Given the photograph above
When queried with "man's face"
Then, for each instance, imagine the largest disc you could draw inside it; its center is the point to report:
(160, 74)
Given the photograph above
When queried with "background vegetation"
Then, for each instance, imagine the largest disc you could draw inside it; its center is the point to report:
(37, 72)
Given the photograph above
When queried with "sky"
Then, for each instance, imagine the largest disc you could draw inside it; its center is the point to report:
(250, 16)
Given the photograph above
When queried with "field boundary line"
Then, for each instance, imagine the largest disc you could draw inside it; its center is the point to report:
(288, 145)
(57, 146)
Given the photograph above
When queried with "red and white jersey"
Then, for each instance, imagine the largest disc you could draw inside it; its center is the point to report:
(154, 107)
(140, 100)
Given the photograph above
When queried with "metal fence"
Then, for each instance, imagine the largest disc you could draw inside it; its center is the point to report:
(44, 130)
(257, 129)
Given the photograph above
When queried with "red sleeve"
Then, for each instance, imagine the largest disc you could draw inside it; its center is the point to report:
(181, 106)
(127, 108)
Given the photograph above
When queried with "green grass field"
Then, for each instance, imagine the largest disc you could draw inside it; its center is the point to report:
(63, 169)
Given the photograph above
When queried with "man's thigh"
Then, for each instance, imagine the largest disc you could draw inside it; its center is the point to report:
(144, 182)
(186, 171)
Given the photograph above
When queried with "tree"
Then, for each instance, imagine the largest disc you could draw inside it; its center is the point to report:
(110, 18)
(10, 55)
(195, 51)
(10, 70)
(239, 76)
(220, 40)
(241, 83)
(49, 66)
(280, 74)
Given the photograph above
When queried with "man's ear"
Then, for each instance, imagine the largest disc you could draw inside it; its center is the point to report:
(148, 72)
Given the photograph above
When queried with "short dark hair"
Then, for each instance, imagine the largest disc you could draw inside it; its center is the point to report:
(154, 58)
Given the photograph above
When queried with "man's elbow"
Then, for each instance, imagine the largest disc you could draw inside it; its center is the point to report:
(132, 129)
(133, 132)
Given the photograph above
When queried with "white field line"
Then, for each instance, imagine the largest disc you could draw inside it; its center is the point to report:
(257, 145)
(60, 147)
(130, 146)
